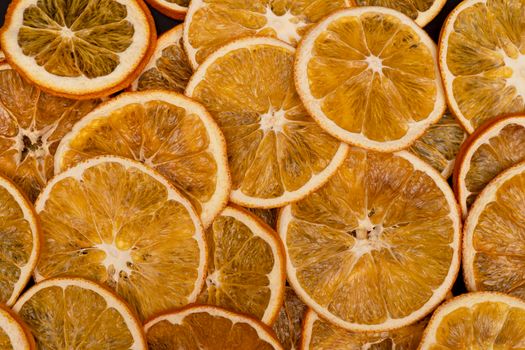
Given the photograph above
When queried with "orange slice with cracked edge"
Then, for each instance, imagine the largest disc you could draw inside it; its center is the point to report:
(496, 146)
(76, 313)
(211, 24)
(369, 77)
(477, 321)
(482, 60)
(277, 153)
(321, 335)
(83, 49)
(175, 9)
(288, 325)
(208, 327)
(33, 123)
(14, 334)
(385, 230)
(168, 132)
(168, 67)
(118, 222)
(421, 11)
(494, 244)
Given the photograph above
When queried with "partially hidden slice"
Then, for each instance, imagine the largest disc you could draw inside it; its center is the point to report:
(175, 9)
(494, 236)
(384, 231)
(246, 266)
(14, 334)
(276, 151)
(78, 49)
(288, 326)
(422, 12)
(321, 335)
(369, 77)
(210, 328)
(493, 148)
(118, 222)
(74, 313)
(168, 67)
(164, 130)
(269, 216)
(482, 60)
(477, 321)
(211, 24)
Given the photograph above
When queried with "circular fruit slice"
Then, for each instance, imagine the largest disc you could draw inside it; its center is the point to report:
(74, 313)
(477, 321)
(168, 132)
(422, 12)
(482, 60)
(118, 222)
(246, 266)
(19, 241)
(440, 144)
(175, 9)
(33, 123)
(496, 146)
(277, 153)
(385, 230)
(494, 243)
(321, 335)
(211, 24)
(190, 328)
(81, 49)
(168, 68)
(369, 77)
(288, 325)
(14, 335)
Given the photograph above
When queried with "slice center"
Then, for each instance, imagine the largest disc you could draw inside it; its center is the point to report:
(67, 33)
(368, 237)
(517, 79)
(374, 63)
(285, 26)
(213, 280)
(273, 120)
(118, 262)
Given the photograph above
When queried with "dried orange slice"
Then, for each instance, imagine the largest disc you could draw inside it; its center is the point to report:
(168, 132)
(422, 12)
(2, 56)
(496, 146)
(288, 325)
(210, 328)
(477, 321)
(277, 153)
(482, 60)
(81, 49)
(14, 334)
(384, 230)
(168, 67)
(118, 222)
(74, 313)
(211, 24)
(33, 123)
(369, 77)
(175, 9)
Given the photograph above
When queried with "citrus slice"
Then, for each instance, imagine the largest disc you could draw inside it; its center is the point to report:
(494, 243)
(118, 222)
(168, 68)
(19, 241)
(168, 132)
(246, 266)
(477, 321)
(14, 334)
(210, 328)
(268, 216)
(2, 56)
(175, 9)
(385, 230)
(33, 123)
(288, 325)
(277, 153)
(321, 335)
(81, 49)
(482, 60)
(440, 144)
(496, 146)
(211, 24)
(74, 313)
(422, 12)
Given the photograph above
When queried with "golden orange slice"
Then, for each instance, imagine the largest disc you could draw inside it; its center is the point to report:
(175, 9)
(421, 11)
(288, 325)
(14, 334)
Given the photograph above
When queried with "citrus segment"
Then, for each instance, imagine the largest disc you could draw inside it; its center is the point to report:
(14, 335)
(116, 221)
(277, 153)
(73, 313)
(421, 11)
(175, 9)
(287, 327)
(166, 131)
(268, 216)
(384, 230)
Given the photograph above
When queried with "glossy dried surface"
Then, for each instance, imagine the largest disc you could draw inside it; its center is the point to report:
(288, 324)
(411, 8)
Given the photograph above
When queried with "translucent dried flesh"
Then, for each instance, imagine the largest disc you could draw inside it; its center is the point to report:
(201, 330)
(74, 318)
(76, 38)
(5, 342)
(287, 327)
(377, 53)
(216, 22)
(153, 261)
(440, 144)
(485, 37)
(166, 137)
(32, 125)
(411, 8)
(269, 216)
(184, 3)
(380, 232)
(273, 145)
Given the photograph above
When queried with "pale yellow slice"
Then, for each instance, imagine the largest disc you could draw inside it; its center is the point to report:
(288, 325)
(421, 11)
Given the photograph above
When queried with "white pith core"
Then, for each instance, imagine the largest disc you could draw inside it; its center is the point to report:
(67, 33)
(285, 26)
(117, 262)
(213, 279)
(273, 120)
(517, 80)
(375, 64)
